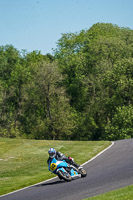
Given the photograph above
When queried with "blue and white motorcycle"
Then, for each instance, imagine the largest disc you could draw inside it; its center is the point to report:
(65, 171)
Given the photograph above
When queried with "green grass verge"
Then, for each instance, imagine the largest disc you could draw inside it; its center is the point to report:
(125, 193)
(24, 162)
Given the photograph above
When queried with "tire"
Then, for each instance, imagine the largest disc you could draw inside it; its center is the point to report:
(63, 175)
(83, 172)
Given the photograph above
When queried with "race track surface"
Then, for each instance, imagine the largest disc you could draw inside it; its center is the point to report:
(111, 170)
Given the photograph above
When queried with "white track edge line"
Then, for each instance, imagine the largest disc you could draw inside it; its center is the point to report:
(112, 143)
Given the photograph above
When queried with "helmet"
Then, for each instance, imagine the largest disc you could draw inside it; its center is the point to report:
(51, 152)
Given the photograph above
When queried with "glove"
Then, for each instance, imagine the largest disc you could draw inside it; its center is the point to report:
(70, 158)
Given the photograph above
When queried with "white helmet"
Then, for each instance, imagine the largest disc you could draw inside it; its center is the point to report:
(52, 152)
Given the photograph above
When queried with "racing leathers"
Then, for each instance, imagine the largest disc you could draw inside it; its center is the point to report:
(60, 156)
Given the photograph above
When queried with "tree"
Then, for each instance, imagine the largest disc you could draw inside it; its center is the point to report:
(9, 58)
(93, 63)
(48, 107)
(120, 126)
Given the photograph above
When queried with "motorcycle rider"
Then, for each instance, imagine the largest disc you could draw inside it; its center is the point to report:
(60, 156)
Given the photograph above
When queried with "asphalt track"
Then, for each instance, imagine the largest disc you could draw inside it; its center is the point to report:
(111, 170)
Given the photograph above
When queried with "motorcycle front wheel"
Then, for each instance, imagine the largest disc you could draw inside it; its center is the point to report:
(83, 172)
(63, 175)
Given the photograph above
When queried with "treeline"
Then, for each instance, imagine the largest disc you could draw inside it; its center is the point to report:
(84, 91)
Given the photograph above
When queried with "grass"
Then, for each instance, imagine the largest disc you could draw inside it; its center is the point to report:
(125, 193)
(24, 162)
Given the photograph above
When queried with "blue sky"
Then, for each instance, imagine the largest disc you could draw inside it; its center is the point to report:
(39, 24)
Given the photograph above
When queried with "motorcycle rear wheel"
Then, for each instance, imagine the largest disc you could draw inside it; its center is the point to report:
(64, 176)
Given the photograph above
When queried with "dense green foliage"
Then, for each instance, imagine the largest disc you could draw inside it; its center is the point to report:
(83, 92)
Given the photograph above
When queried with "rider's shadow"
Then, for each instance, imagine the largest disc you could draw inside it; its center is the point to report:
(51, 183)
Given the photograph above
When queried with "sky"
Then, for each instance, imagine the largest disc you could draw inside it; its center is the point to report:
(39, 24)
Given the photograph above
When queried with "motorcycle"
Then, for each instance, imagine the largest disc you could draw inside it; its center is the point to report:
(65, 171)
